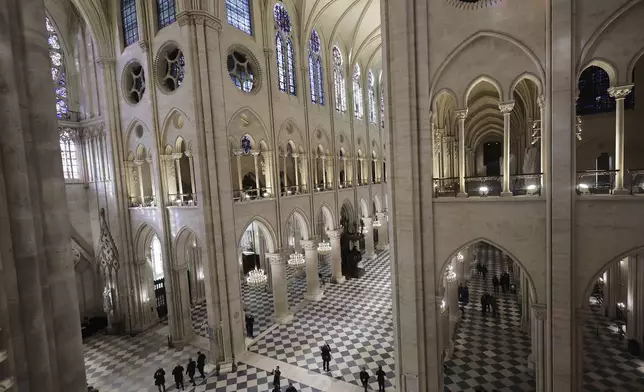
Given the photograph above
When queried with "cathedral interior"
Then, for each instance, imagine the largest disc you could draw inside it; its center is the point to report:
(446, 192)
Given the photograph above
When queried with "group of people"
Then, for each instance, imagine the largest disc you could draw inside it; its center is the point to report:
(277, 379)
(380, 374)
(488, 303)
(177, 372)
(481, 270)
(503, 283)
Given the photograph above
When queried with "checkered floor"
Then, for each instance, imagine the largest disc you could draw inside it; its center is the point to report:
(124, 364)
(490, 353)
(354, 318)
(607, 364)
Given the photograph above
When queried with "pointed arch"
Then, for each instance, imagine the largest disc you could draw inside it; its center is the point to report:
(377, 202)
(364, 208)
(481, 79)
(329, 219)
(266, 229)
(176, 118)
(303, 223)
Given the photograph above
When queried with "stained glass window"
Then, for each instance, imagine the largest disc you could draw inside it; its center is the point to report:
(68, 155)
(315, 69)
(241, 71)
(166, 13)
(382, 107)
(130, 24)
(156, 257)
(339, 86)
(57, 62)
(594, 98)
(358, 107)
(238, 15)
(285, 53)
(246, 145)
(372, 99)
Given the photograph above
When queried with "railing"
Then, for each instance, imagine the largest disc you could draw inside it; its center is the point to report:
(182, 200)
(322, 187)
(146, 201)
(250, 194)
(637, 180)
(526, 184)
(596, 182)
(293, 190)
(483, 186)
(346, 184)
(363, 182)
(446, 187)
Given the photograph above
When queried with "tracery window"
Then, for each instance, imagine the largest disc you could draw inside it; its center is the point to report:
(238, 15)
(285, 54)
(68, 154)
(156, 257)
(57, 61)
(130, 24)
(594, 98)
(315, 69)
(166, 13)
(241, 71)
(339, 84)
(358, 107)
(373, 117)
(381, 85)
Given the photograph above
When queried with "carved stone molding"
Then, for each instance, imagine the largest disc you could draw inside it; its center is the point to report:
(144, 45)
(506, 107)
(198, 18)
(461, 113)
(539, 311)
(472, 4)
(104, 62)
(620, 92)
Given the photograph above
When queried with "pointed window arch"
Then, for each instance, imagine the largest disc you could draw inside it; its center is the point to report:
(315, 69)
(166, 13)
(285, 53)
(238, 15)
(129, 23)
(156, 257)
(373, 117)
(339, 84)
(58, 74)
(68, 154)
(358, 107)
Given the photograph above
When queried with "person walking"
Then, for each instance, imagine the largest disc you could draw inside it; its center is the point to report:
(364, 378)
(484, 270)
(191, 369)
(250, 320)
(177, 372)
(495, 283)
(201, 363)
(492, 301)
(291, 388)
(380, 374)
(326, 357)
(276, 378)
(483, 303)
(159, 379)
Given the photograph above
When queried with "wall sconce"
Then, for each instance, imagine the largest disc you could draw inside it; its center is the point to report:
(443, 305)
(532, 189)
(483, 191)
(584, 189)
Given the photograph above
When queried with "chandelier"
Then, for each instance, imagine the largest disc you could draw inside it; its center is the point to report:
(256, 278)
(376, 223)
(459, 257)
(450, 275)
(296, 260)
(324, 248)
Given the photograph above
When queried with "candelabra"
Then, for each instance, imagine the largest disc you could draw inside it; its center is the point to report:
(296, 260)
(324, 248)
(256, 278)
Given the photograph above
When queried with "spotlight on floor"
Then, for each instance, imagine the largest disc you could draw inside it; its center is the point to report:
(483, 191)
(584, 189)
(532, 189)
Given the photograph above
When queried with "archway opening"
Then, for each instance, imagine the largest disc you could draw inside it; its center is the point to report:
(485, 318)
(296, 231)
(191, 276)
(155, 261)
(613, 331)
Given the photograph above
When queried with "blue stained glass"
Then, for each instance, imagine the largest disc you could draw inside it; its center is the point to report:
(338, 81)
(57, 60)
(372, 98)
(312, 79)
(318, 64)
(279, 56)
(594, 98)
(246, 145)
(166, 12)
(290, 59)
(314, 42)
(282, 19)
(238, 15)
(129, 21)
(357, 94)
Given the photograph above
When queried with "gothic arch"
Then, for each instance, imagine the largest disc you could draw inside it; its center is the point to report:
(329, 220)
(377, 202)
(266, 229)
(606, 66)
(364, 208)
(632, 64)
(527, 76)
(142, 240)
(302, 221)
(246, 121)
(177, 119)
(182, 241)
(481, 79)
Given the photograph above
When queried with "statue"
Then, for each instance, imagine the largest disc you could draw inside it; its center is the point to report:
(108, 306)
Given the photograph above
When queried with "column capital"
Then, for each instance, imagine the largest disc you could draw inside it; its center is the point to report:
(461, 113)
(506, 107)
(238, 152)
(295, 155)
(105, 62)
(539, 311)
(541, 101)
(188, 153)
(620, 92)
(137, 162)
(177, 155)
(334, 234)
(309, 245)
(275, 258)
(254, 153)
(380, 215)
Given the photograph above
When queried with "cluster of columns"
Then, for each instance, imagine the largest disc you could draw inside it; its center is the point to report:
(324, 181)
(296, 168)
(171, 169)
(619, 93)
(140, 182)
(261, 167)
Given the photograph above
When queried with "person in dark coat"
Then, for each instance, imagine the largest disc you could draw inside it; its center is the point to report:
(276, 378)
(380, 374)
(291, 388)
(484, 270)
(495, 283)
(364, 378)
(191, 369)
(492, 302)
(201, 363)
(159, 379)
(250, 320)
(326, 357)
(483, 303)
(506, 282)
(177, 372)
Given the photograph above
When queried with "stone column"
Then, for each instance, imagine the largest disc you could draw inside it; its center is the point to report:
(267, 157)
(280, 293)
(177, 167)
(460, 115)
(324, 184)
(313, 291)
(506, 110)
(451, 293)
(183, 321)
(344, 166)
(152, 183)
(297, 172)
(542, 148)
(46, 350)
(284, 155)
(619, 93)
(256, 163)
(237, 154)
(193, 182)
(612, 285)
(336, 256)
(538, 346)
(368, 238)
(383, 231)
(139, 173)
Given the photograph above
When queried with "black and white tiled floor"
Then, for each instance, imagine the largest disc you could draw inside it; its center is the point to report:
(354, 318)
(607, 364)
(490, 353)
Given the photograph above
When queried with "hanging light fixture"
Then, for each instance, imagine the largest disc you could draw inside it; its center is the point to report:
(460, 257)
(324, 248)
(249, 250)
(450, 275)
(256, 278)
(376, 222)
(296, 260)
